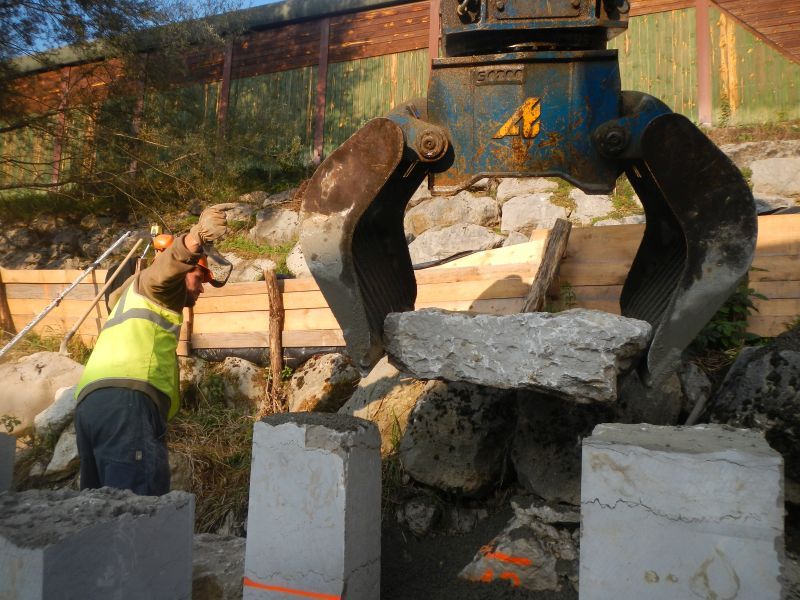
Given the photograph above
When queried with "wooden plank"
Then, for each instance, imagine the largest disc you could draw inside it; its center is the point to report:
(775, 268)
(769, 326)
(529, 252)
(33, 307)
(777, 289)
(50, 276)
(554, 247)
(259, 339)
(778, 307)
(83, 291)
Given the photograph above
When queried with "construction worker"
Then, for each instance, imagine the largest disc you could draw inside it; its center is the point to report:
(129, 388)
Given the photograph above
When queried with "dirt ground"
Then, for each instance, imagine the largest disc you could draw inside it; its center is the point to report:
(427, 568)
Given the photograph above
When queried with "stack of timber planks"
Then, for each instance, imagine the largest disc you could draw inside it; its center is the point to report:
(495, 281)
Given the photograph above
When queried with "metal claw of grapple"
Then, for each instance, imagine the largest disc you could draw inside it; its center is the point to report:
(352, 235)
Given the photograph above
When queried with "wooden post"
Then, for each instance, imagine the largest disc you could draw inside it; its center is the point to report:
(225, 92)
(434, 26)
(554, 247)
(322, 89)
(276, 317)
(136, 121)
(58, 140)
(6, 322)
(703, 35)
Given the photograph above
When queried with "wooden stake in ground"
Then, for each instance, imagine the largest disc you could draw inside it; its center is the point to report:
(276, 317)
(554, 247)
(6, 322)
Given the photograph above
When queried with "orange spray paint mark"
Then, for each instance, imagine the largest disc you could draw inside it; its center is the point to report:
(514, 560)
(283, 590)
(487, 576)
(512, 576)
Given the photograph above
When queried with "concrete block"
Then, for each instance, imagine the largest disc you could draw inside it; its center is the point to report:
(95, 544)
(314, 519)
(671, 512)
(8, 448)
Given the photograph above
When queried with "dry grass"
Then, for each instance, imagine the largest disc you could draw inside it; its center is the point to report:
(216, 442)
(34, 342)
(785, 130)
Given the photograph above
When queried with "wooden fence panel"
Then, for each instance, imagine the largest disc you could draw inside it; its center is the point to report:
(495, 281)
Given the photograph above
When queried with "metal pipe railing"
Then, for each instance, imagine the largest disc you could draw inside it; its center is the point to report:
(61, 296)
(63, 348)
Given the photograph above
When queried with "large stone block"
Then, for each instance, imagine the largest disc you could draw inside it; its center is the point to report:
(95, 544)
(440, 243)
(314, 519)
(670, 512)
(8, 448)
(444, 211)
(576, 354)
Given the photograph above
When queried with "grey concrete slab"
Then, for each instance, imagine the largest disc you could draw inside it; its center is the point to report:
(313, 524)
(680, 512)
(95, 544)
(8, 449)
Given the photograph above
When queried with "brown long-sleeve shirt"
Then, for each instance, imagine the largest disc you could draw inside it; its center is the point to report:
(163, 281)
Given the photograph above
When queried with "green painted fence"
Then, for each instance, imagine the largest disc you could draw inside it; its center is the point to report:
(359, 90)
(752, 82)
(657, 56)
(270, 120)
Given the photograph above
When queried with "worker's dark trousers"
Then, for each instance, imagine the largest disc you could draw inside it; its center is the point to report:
(121, 442)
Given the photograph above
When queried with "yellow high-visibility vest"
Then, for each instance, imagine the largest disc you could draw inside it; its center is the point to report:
(136, 349)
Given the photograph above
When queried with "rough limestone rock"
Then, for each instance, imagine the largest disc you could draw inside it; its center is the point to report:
(537, 550)
(696, 386)
(58, 415)
(659, 405)
(419, 514)
(241, 211)
(296, 262)
(30, 384)
(769, 204)
(458, 520)
(440, 243)
(590, 206)
(443, 211)
(422, 193)
(191, 370)
(283, 197)
(247, 269)
(762, 391)
(457, 437)
(322, 384)
(525, 186)
(385, 397)
(256, 197)
(180, 471)
(275, 226)
(217, 567)
(546, 448)
(576, 354)
(629, 220)
(745, 153)
(244, 382)
(515, 238)
(533, 211)
(776, 177)
(65, 456)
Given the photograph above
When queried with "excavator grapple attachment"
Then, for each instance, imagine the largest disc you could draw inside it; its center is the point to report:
(528, 89)
(352, 235)
(699, 238)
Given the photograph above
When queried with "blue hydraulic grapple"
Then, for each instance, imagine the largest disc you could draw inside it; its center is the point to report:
(528, 88)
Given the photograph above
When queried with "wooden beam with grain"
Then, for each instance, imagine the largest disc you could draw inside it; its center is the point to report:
(276, 317)
(555, 245)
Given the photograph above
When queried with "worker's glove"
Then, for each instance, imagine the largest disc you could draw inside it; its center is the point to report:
(212, 224)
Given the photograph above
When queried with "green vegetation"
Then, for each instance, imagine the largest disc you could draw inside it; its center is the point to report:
(727, 329)
(215, 443)
(561, 195)
(33, 342)
(247, 248)
(9, 423)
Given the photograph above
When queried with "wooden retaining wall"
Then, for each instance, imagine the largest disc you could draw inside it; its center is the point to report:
(495, 282)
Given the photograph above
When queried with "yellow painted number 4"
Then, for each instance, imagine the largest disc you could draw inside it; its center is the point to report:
(529, 114)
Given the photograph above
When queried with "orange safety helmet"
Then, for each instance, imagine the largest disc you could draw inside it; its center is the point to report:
(162, 241)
